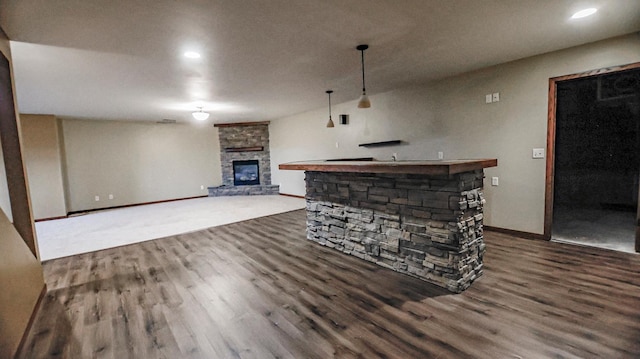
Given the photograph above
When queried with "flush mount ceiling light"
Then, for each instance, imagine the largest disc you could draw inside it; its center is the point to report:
(192, 55)
(200, 115)
(364, 99)
(584, 13)
(330, 123)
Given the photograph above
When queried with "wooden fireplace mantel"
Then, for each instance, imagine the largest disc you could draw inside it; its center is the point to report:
(236, 124)
(244, 149)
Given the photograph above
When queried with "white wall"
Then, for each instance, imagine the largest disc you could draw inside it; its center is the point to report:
(450, 115)
(137, 162)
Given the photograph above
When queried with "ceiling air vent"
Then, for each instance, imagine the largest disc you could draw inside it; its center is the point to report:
(166, 121)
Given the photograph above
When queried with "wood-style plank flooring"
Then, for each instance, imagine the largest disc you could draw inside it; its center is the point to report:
(259, 289)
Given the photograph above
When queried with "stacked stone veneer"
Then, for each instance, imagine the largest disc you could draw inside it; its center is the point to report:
(242, 136)
(426, 226)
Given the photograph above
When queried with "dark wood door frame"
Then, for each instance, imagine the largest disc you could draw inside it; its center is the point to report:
(551, 141)
(13, 164)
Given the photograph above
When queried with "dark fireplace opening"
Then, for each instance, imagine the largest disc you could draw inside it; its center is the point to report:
(246, 173)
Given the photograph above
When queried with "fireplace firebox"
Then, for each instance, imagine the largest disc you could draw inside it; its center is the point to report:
(246, 173)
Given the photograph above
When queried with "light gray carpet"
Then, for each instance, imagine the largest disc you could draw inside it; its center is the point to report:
(117, 227)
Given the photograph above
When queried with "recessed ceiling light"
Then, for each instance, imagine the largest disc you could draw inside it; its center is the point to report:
(584, 13)
(192, 55)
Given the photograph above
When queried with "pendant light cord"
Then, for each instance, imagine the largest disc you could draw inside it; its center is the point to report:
(363, 87)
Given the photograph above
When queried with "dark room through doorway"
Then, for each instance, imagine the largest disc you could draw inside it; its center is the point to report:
(597, 160)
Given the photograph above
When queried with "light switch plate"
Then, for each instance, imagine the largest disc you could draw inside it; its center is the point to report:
(488, 98)
(496, 97)
(494, 181)
(538, 153)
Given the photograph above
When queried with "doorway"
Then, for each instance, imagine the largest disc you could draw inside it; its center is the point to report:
(11, 150)
(593, 165)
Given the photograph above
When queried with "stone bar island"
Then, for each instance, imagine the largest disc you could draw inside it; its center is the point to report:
(422, 218)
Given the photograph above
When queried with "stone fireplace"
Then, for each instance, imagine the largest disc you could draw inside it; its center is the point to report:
(245, 160)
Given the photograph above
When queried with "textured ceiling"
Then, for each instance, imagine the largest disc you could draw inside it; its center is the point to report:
(265, 59)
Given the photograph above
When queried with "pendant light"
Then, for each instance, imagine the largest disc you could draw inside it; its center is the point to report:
(364, 99)
(200, 115)
(330, 123)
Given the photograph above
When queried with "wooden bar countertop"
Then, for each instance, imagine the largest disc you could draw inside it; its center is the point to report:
(427, 167)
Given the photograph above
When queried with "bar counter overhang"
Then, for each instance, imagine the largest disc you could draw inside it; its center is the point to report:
(422, 218)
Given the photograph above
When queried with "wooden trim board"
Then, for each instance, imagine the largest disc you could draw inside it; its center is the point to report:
(515, 233)
(49, 218)
(133, 205)
(291, 195)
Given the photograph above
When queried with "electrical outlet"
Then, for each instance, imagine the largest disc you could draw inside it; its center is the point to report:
(337, 144)
(488, 98)
(110, 196)
(201, 186)
(97, 198)
(494, 181)
(538, 153)
(440, 155)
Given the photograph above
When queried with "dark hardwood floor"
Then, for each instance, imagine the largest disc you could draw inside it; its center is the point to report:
(259, 289)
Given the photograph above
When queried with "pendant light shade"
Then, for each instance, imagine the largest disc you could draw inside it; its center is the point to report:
(330, 123)
(200, 115)
(364, 99)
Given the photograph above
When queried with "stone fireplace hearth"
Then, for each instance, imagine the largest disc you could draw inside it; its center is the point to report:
(245, 160)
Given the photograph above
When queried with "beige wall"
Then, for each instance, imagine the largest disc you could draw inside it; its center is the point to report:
(137, 162)
(21, 279)
(451, 116)
(42, 157)
(406, 114)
